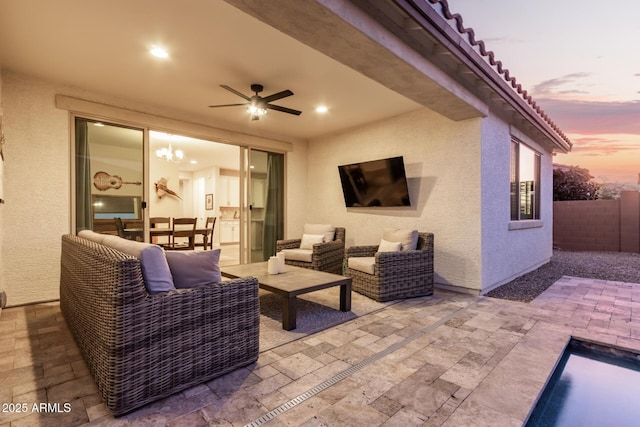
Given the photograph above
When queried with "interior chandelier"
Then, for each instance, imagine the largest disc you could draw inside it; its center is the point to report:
(167, 154)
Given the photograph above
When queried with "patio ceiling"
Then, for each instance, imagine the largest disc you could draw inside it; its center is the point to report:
(351, 56)
(102, 46)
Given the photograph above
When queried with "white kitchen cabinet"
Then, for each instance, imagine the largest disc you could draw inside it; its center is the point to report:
(229, 191)
(258, 192)
(229, 231)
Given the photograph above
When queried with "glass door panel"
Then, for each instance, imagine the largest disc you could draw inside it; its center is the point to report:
(109, 175)
(197, 178)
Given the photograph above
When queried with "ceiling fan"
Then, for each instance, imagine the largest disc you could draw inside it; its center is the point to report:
(257, 105)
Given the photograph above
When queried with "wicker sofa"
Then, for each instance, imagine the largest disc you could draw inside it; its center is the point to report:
(327, 256)
(396, 275)
(141, 347)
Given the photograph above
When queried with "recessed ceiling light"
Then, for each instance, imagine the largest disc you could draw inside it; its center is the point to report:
(321, 109)
(194, 162)
(159, 52)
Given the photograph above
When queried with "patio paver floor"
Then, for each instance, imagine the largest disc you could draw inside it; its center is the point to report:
(451, 360)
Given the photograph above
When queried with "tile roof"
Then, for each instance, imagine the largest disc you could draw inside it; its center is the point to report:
(496, 64)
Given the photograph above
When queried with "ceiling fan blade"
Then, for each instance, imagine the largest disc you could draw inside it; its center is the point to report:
(226, 105)
(232, 90)
(284, 109)
(277, 96)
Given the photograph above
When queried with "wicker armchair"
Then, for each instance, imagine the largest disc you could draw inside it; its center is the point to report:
(396, 275)
(327, 256)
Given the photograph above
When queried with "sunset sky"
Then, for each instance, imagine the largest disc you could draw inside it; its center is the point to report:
(580, 61)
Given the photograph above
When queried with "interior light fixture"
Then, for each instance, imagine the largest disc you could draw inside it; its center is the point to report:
(159, 52)
(167, 154)
(321, 109)
(256, 110)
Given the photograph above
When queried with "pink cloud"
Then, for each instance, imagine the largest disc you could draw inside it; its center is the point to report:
(585, 117)
(604, 146)
(593, 117)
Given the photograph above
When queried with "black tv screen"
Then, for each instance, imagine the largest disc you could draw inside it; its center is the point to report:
(375, 183)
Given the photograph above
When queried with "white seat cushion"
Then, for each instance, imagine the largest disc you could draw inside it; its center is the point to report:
(298, 254)
(409, 238)
(92, 235)
(366, 264)
(328, 230)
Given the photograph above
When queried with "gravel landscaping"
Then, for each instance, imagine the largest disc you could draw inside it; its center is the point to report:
(616, 266)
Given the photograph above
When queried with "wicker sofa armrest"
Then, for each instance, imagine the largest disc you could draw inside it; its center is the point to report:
(361, 251)
(404, 262)
(288, 244)
(321, 249)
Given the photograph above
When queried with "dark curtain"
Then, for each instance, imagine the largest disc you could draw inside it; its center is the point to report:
(274, 205)
(83, 178)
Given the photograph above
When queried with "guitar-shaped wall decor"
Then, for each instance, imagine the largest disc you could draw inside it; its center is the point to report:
(103, 181)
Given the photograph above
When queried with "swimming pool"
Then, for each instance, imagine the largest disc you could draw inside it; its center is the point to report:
(592, 385)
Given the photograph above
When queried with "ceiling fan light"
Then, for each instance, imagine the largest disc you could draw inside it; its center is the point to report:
(256, 110)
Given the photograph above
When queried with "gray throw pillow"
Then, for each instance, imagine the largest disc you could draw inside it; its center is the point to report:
(193, 269)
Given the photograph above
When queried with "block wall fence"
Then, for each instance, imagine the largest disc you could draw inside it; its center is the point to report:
(598, 225)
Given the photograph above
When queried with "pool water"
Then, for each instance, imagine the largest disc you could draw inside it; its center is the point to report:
(593, 385)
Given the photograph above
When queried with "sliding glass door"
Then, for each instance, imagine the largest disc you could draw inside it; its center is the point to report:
(109, 176)
(125, 175)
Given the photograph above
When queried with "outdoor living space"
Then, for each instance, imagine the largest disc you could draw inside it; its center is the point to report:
(450, 359)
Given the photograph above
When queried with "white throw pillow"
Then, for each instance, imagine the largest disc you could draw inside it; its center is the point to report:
(193, 269)
(308, 240)
(386, 246)
(408, 238)
(329, 231)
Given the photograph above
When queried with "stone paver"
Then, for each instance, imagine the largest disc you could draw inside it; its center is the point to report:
(451, 360)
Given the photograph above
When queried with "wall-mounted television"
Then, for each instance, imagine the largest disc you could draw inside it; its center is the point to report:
(375, 183)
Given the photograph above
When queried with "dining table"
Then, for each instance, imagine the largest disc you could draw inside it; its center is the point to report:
(160, 232)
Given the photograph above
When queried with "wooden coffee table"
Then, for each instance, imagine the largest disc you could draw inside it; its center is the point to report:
(293, 282)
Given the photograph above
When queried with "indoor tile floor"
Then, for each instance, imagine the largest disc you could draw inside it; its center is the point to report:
(452, 360)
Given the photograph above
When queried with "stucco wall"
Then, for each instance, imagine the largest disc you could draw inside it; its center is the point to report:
(1, 206)
(37, 182)
(508, 253)
(36, 188)
(442, 161)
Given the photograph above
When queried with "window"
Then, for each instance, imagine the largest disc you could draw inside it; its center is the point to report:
(525, 182)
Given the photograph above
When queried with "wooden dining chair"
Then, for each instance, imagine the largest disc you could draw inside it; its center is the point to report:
(207, 238)
(164, 224)
(183, 228)
(127, 234)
